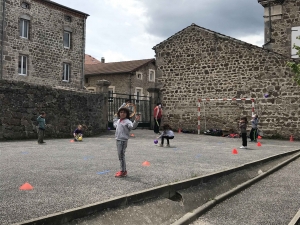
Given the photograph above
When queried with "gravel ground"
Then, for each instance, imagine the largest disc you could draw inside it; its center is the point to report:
(66, 175)
(274, 200)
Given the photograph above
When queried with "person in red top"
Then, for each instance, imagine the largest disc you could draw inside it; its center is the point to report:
(157, 117)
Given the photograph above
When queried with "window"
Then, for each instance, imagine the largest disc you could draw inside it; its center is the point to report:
(22, 65)
(68, 18)
(66, 73)
(138, 93)
(139, 76)
(294, 40)
(24, 28)
(111, 91)
(25, 5)
(151, 75)
(67, 39)
(91, 89)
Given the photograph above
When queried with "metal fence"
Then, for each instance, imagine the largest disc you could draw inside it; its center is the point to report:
(142, 104)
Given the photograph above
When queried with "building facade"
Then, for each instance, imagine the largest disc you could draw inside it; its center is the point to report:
(43, 43)
(128, 77)
(282, 25)
(198, 63)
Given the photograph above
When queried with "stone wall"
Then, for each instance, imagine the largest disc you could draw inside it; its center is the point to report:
(199, 63)
(284, 16)
(44, 47)
(21, 103)
(1, 30)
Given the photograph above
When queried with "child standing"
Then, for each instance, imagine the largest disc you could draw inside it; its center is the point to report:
(166, 134)
(243, 127)
(253, 132)
(123, 127)
(78, 133)
(41, 127)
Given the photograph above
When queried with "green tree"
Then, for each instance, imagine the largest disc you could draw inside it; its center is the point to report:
(295, 66)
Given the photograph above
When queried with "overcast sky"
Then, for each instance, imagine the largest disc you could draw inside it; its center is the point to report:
(122, 30)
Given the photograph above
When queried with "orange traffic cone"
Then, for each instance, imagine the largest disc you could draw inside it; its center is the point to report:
(26, 187)
(291, 138)
(258, 144)
(71, 140)
(179, 130)
(234, 151)
(259, 137)
(146, 163)
(131, 135)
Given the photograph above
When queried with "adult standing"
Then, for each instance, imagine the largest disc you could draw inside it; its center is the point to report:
(157, 117)
(253, 132)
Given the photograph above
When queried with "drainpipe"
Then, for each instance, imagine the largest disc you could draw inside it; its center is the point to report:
(2, 41)
(130, 84)
(83, 53)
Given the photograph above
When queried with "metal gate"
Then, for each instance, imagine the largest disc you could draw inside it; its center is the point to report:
(142, 104)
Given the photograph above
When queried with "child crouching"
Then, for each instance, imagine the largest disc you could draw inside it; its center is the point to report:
(166, 134)
(78, 133)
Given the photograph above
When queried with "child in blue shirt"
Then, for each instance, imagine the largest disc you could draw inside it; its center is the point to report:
(78, 133)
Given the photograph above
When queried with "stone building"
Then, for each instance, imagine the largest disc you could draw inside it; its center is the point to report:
(282, 25)
(128, 77)
(43, 43)
(199, 63)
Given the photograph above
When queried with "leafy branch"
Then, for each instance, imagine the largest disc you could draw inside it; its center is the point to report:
(295, 66)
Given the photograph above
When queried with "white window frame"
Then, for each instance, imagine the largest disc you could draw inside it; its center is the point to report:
(295, 32)
(137, 97)
(137, 75)
(69, 39)
(113, 89)
(151, 80)
(93, 89)
(66, 72)
(21, 60)
(23, 33)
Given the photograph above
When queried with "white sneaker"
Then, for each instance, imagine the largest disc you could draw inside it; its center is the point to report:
(243, 147)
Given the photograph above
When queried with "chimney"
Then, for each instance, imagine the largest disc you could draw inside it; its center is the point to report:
(102, 59)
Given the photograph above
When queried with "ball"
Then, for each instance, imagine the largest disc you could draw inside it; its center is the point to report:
(108, 128)
(155, 141)
(266, 95)
(79, 138)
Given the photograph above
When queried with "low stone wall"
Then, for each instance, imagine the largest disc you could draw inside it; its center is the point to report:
(21, 103)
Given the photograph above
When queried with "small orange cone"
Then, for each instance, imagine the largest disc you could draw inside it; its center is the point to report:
(179, 130)
(72, 141)
(291, 138)
(131, 135)
(146, 163)
(258, 144)
(259, 137)
(234, 151)
(26, 187)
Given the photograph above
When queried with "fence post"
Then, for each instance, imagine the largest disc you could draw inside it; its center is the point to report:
(102, 88)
